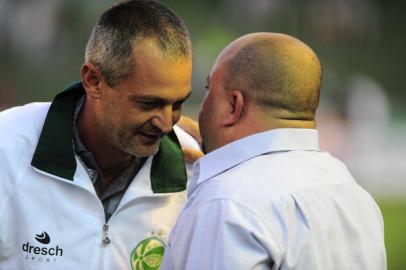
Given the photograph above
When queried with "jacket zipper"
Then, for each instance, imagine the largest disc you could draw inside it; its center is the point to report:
(106, 239)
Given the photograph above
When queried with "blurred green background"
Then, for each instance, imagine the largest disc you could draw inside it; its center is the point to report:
(361, 44)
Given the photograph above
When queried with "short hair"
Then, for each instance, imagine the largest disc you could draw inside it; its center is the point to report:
(119, 28)
(278, 72)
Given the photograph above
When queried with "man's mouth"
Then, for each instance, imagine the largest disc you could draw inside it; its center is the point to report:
(150, 137)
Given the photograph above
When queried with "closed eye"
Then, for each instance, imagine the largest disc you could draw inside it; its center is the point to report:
(150, 105)
(177, 105)
(207, 86)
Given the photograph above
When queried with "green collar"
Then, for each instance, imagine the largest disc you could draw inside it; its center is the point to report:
(55, 155)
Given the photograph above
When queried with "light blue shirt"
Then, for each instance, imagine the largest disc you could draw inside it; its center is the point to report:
(273, 200)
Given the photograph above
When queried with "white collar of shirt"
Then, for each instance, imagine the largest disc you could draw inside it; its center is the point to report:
(232, 154)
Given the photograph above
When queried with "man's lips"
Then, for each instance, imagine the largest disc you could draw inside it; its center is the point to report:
(151, 136)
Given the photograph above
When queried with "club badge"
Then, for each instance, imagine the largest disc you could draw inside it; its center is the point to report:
(148, 254)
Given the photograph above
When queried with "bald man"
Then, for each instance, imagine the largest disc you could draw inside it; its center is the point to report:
(264, 196)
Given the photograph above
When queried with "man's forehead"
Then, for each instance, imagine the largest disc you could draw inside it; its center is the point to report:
(148, 48)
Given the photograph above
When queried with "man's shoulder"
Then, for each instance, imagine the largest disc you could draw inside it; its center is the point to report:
(271, 177)
(22, 124)
(285, 172)
(24, 113)
(20, 128)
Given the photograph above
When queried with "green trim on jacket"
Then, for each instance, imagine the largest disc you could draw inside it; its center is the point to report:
(55, 155)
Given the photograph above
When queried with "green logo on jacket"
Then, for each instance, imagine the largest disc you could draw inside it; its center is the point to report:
(148, 254)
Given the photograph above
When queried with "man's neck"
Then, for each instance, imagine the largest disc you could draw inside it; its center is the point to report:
(110, 160)
(112, 172)
(255, 125)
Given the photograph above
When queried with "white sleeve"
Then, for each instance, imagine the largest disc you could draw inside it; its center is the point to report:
(185, 139)
(219, 235)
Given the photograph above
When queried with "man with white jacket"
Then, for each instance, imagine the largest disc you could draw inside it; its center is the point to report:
(95, 179)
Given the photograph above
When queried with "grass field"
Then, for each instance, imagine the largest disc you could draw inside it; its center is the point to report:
(394, 215)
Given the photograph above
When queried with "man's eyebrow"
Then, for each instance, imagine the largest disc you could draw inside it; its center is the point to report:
(154, 98)
(187, 96)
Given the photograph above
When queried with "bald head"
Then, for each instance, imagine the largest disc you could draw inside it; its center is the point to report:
(278, 73)
(261, 81)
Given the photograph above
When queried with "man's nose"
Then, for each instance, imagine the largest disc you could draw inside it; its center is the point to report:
(164, 119)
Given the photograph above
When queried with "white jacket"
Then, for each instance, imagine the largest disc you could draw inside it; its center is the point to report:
(50, 215)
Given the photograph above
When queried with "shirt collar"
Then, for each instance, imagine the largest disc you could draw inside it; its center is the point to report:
(77, 142)
(54, 153)
(232, 154)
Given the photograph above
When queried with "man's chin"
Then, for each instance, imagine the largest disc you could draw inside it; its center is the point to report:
(143, 151)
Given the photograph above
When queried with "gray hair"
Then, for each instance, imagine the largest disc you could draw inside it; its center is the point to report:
(119, 29)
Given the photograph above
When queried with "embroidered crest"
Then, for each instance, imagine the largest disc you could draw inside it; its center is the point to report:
(148, 254)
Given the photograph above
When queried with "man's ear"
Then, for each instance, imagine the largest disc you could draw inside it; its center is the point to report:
(236, 108)
(91, 78)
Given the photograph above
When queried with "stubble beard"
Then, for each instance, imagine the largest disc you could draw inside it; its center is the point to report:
(124, 139)
(127, 142)
(139, 151)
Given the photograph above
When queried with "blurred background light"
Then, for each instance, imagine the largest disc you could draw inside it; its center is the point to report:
(361, 44)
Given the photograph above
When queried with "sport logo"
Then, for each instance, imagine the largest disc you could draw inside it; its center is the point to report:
(41, 253)
(148, 254)
(43, 238)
